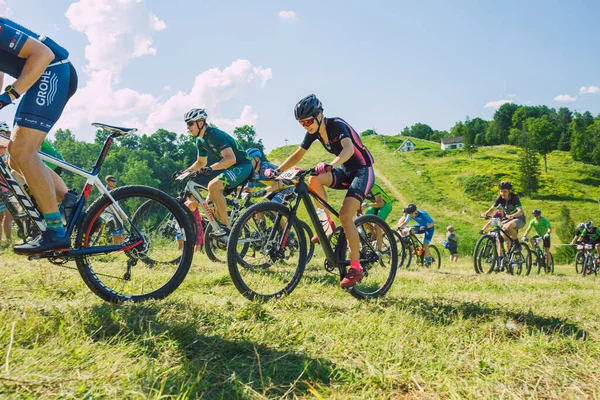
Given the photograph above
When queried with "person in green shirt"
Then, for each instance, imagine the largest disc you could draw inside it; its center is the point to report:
(542, 228)
(232, 167)
(381, 202)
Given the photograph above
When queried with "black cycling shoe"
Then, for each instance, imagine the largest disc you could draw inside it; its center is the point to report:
(47, 241)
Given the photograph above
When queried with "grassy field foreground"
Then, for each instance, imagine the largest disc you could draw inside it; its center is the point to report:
(447, 333)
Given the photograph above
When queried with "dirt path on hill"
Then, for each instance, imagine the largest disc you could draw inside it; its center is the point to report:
(391, 187)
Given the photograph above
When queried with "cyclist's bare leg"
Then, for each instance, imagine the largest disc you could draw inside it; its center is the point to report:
(348, 211)
(59, 186)
(318, 184)
(548, 259)
(118, 239)
(215, 189)
(24, 145)
(511, 229)
(426, 250)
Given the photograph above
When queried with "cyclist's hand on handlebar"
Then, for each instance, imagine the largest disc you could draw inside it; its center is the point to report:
(205, 171)
(176, 174)
(481, 232)
(5, 100)
(323, 168)
(422, 229)
(546, 236)
(271, 173)
(524, 239)
(484, 215)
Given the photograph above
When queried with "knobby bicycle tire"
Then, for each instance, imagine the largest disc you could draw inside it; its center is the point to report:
(84, 263)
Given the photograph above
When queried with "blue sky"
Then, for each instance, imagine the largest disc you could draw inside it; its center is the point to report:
(382, 64)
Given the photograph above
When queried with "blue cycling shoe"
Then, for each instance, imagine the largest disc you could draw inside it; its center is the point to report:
(47, 241)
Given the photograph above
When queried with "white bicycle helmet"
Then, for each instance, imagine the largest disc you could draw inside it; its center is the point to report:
(195, 114)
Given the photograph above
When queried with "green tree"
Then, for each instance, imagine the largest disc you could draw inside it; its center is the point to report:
(565, 116)
(565, 229)
(368, 132)
(418, 130)
(543, 136)
(581, 146)
(246, 137)
(500, 129)
(529, 169)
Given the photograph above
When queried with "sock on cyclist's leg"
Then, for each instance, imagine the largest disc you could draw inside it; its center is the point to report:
(355, 264)
(54, 223)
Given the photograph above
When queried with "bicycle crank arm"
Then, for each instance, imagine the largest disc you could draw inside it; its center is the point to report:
(100, 250)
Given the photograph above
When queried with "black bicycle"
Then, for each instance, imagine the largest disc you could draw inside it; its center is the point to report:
(485, 254)
(412, 249)
(590, 260)
(140, 268)
(275, 233)
(540, 260)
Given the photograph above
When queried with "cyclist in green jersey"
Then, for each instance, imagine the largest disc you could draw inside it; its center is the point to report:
(233, 165)
(381, 202)
(543, 229)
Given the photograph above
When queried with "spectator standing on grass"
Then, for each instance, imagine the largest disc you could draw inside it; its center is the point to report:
(452, 240)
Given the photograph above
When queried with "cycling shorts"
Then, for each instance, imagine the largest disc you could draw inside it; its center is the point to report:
(382, 212)
(115, 226)
(42, 105)
(233, 177)
(428, 233)
(358, 182)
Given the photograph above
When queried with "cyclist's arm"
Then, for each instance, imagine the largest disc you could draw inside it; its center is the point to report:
(200, 162)
(347, 152)
(293, 159)
(275, 187)
(517, 214)
(487, 213)
(38, 57)
(378, 202)
(227, 161)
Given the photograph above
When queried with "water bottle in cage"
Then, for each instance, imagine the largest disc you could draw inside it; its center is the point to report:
(326, 222)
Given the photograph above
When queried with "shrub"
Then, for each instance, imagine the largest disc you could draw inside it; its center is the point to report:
(479, 187)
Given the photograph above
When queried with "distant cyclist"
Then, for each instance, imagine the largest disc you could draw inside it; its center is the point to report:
(351, 170)
(380, 202)
(233, 165)
(591, 235)
(425, 225)
(276, 189)
(577, 239)
(543, 229)
(515, 216)
(46, 80)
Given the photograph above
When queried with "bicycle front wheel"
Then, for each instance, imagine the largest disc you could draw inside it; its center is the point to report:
(579, 261)
(485, 254)
(144, 262)
(378, 257)
(404, 256)
(260, 267)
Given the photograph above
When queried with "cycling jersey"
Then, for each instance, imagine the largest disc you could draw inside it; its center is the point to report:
(422, 218)
(591, 237)
(376, 190)
(511, 205)
(541, 227)
(41, 106)
(215, 141)
(259, 179)
(338, 129)
(50, 150)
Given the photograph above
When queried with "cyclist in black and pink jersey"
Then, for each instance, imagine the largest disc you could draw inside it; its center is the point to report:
(350, 170)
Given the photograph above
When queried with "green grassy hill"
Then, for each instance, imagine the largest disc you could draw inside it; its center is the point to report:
(455, 189)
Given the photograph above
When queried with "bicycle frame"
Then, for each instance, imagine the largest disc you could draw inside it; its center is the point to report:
(92, 181)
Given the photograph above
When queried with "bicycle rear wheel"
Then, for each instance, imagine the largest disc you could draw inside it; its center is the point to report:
(215, 247)
(150, 264)
(260, 269)
(378, 257)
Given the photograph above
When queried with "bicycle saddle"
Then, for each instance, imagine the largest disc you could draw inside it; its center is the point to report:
(118, 131)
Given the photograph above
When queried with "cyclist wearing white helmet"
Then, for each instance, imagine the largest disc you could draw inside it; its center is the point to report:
(578, 232)
(232, 166)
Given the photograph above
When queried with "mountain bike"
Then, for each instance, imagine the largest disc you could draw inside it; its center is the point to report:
(485, 253)
(275, 232)
(579, 258)
(412, 249)
(539, 260)
(139, 269)
(590, 261)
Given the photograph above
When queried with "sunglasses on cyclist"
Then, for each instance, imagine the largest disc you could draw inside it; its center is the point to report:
(190, 123)
(307, 122)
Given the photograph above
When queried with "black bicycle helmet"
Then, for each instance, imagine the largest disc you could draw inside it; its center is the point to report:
(537, 212)
(411, 208)
(505, 185)
(589, 224)
(308, 107)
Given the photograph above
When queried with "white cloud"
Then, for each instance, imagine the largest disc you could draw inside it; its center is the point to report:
(287, 15)
(117, 34)
(496, 104)
(589, 90)
(565, 98)
(117, 30)
(5, 11)
(512, 95)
